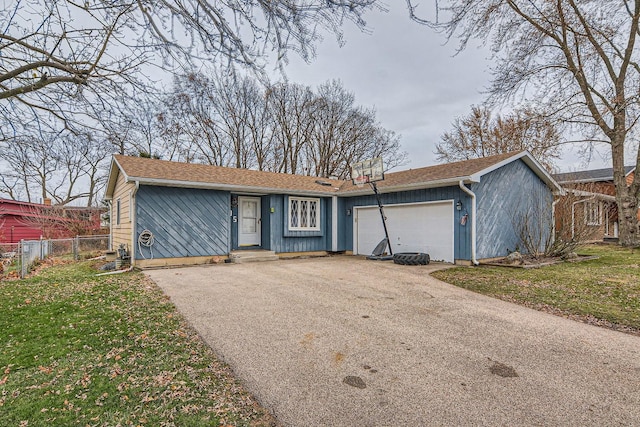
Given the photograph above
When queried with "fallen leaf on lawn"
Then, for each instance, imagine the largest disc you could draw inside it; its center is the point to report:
(45, 369)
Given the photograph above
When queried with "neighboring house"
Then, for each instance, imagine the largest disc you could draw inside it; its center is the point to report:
(589, 210)
(169, 213)
(32, 221)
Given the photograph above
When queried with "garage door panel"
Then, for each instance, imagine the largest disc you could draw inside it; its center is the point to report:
(369, 230)
(412, 228)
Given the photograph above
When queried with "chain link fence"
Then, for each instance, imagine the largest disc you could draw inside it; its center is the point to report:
(9, 254)
(28, 252)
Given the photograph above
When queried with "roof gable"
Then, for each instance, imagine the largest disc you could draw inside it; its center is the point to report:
(452, 173)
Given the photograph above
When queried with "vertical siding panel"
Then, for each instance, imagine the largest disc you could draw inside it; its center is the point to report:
(277, 222)
(265, 224)
(502, 195)
(185, 222)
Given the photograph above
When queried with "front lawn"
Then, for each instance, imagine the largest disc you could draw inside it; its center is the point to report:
(104, 351)
(605, 291)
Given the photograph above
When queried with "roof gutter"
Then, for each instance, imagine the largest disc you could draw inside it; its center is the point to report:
(229, 187)
(473, 220)
(408, 187)
(553, 220)
(591, 195)
(110, 205)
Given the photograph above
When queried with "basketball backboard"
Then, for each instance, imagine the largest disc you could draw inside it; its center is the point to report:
(367, 171)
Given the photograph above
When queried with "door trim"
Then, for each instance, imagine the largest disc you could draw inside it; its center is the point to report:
(257, 242)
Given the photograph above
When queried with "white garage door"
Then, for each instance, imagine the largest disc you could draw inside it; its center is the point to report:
(419, 227)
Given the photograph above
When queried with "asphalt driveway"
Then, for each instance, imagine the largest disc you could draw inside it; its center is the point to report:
(342, 341)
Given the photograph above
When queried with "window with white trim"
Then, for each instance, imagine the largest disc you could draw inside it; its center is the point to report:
(304, 214)
(593, 213)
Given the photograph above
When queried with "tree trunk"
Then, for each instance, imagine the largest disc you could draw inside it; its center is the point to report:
(626, 200)
(628, 219)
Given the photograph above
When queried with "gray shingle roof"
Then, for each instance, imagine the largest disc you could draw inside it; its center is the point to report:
(593, 175)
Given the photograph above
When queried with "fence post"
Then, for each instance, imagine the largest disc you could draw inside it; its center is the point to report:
(75, 244)
(22, 263)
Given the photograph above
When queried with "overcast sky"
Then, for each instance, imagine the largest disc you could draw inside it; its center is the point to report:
(412, 78)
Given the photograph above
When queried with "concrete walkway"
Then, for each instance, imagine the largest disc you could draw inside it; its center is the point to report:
(343, 341)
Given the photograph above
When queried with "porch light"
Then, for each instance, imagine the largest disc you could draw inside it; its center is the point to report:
(459, 205)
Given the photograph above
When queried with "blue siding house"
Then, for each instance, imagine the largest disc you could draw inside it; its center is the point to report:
(170, 213)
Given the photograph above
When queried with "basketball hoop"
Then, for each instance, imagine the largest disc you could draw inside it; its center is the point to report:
(360, 181)
(367, 171)
(370, 171)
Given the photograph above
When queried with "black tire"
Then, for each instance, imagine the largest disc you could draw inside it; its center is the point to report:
(411, 258)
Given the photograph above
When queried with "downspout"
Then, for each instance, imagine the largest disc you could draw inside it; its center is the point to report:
(116, 272)
(110, 205)
(553, 220)
(473, 220)
(132, 212)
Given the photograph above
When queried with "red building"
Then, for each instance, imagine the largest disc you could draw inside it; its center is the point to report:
(31, 221)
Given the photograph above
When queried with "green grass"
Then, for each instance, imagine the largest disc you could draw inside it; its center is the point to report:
(605, 291)
(103, 351)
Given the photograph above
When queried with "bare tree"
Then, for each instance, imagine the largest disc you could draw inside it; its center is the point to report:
(234, 98)
(61, 167)
(54, 50)
(558, 229)
(94, 156)
(69, 67)
(338, 131)
(385, 143)
(193, 121)
(579, 58)
(230, 120)
(292, 107)
(58, 57)
(9, 186)
(480, 135)
(56, 221)
(533, 225)
(260, 126)
(345, 133)
(33, 164)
